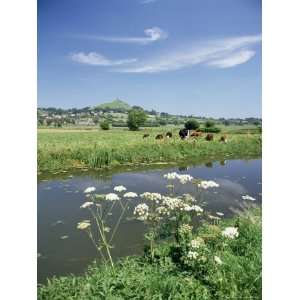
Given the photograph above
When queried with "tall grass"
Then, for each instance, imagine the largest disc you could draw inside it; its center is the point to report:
(97, 149)
(238, 277)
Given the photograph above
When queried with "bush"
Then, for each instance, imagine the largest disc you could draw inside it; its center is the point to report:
(209, 124)
(136, 118)
(104, 125)
(191, 124)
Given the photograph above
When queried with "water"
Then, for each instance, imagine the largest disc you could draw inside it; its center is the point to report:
(63, 249)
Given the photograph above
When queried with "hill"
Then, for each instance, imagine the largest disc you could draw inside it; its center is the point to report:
(115, 105)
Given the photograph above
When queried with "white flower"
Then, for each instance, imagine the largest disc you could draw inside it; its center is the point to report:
(230, 232)
(192, 255)
(185, 229)
(120, 188)
(184, 178)
(205, 184)
(87, 204)
(130, 195)
(218, 260)
(151, 196)
(220, 214)
(112, 197)
(213, 217)
(171, 176)
(90, 189)
(247, 197)
(83, 225)
(196, 243)
(141, 211)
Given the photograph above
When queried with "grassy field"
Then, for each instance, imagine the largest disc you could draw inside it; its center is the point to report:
(237, 276)
(60, 149)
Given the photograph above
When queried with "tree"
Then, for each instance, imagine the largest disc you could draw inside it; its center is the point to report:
(104, 125)
(136, 118)
(209, 124)
(191, 124)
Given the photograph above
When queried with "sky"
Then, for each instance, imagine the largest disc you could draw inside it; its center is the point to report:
(192, 57)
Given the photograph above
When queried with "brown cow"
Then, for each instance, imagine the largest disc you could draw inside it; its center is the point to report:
(159, 137)
(223, 139)
(196, 134)
(209, 137)
(169, 134)
(146, 135)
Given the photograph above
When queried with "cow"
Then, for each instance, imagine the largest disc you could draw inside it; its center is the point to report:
(223, 139)
(169, 134)
(146, 135)
(209, 137)
(159, 137)
(196, 134)
(184, 133)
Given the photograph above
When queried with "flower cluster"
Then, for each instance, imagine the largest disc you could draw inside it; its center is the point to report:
(130, 195)
(112, 197)
(185, 229)
(192, 255)
(205, 184)
(152, 196)
(87, 204)
(90, 190)
(120, 188)
(230, 232)
(141, 211)
(183, 178)
(84, 224)
(197, 243)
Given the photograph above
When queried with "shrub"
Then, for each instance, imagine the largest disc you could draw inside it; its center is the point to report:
(104, 125)
(211, 129)
(191, 124)
(209, 124)
(136, 118)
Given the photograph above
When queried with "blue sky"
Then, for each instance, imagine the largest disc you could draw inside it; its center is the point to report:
(200, 57)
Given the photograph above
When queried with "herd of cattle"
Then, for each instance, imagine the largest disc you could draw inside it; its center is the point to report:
(185, 134)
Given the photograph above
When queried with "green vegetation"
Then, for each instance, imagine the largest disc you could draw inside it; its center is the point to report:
(64, 149)
(104, 125)
(136, 118)
(226, 269)
(115, 105)
(191, 124)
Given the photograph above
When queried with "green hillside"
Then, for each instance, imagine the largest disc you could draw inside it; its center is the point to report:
(114, 105)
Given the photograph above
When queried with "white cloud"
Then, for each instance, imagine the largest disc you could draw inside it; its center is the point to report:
(151, 35)
(233, 59)
(222, 53)
(97, 59)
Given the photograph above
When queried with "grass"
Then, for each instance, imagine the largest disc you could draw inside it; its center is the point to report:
(238, 277)
(60, 149)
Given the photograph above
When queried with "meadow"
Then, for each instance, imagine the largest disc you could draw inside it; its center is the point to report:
(67, 148)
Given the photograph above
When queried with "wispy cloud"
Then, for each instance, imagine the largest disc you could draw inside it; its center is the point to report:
(222, 53)
(147, 1)
(97, 59)
(151, 35)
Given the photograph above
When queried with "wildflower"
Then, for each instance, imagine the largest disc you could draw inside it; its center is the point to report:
(130, 195)
(205, 184)
(89, 189)
(196, 243)
(83, 225)
(185, 229)
(184, 178)
(219, 214)
(112, 197)
(141, 211)
(218, 260)
(87, 204)
(120, 188)
(161, 210)
(171, 176)
(152, 196)
(247, 197)
(189, 198)
(192, 255)
(230, 232)
(213, 217)
(196, 208)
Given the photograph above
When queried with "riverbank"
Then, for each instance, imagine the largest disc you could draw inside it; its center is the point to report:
(229, 269)
(62, 150)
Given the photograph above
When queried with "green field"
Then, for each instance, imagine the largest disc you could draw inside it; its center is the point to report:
(238, 276)
(60, 149)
